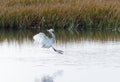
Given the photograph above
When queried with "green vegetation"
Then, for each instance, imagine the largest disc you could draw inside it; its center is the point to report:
(58, 14)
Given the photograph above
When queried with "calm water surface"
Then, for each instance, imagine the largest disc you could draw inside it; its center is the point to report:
(94, 55)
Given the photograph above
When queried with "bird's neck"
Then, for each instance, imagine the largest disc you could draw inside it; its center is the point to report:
(53, 36)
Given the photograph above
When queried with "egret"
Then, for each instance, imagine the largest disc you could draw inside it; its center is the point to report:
(45, 41)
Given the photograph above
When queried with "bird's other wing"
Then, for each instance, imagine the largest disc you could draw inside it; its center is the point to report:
(40, 38)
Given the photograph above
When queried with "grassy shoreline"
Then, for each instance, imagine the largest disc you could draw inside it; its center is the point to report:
(62, 36)
(60, 14)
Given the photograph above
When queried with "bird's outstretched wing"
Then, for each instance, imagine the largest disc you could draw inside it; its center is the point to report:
(40, 38)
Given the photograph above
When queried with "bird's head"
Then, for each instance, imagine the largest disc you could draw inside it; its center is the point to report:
(50, 30)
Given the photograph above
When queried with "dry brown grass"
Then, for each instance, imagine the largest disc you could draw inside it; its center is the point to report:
(79, 14)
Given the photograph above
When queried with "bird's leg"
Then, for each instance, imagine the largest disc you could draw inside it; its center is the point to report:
(59, 51)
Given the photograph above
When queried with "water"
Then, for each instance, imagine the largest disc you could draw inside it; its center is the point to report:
(89, 56)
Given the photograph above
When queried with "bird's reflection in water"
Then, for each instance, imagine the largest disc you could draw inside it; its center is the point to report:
(49, 78)
(45, 79)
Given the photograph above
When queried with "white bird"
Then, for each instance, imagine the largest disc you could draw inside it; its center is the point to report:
(46, 42)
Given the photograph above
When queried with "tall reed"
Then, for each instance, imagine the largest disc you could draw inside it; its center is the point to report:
(60, 14)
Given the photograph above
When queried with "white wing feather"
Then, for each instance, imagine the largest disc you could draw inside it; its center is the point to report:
(40, 38)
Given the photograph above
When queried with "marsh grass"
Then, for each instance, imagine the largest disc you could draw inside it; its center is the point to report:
(58, 14)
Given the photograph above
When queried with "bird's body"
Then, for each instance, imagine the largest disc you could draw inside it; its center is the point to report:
(46, 42)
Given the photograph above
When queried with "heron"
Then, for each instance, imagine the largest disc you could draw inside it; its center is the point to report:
(45, 41)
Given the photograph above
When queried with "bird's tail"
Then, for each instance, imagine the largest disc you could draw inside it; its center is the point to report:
(58, 51)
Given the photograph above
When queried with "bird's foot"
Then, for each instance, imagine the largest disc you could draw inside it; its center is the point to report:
(60, 51)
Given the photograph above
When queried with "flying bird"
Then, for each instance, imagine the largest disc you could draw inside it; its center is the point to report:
(45, 41)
